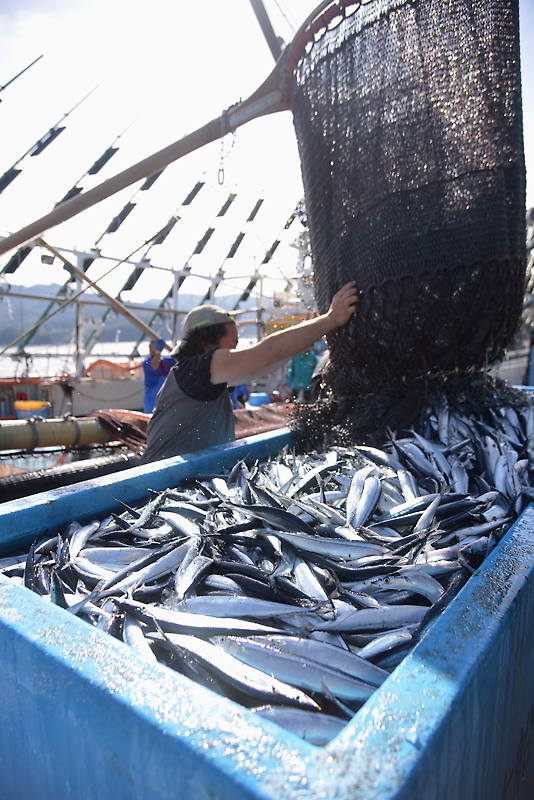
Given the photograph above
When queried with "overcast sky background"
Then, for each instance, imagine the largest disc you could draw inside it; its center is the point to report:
(156, 71)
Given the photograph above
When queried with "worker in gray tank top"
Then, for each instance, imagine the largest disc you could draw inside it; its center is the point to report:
(193, 409)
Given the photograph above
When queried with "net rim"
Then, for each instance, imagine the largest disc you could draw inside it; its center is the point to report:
(319, 20)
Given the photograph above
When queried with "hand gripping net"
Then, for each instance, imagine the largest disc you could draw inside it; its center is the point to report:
(408, 119)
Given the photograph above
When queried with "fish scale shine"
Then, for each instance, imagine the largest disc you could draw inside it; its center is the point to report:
(347, 544)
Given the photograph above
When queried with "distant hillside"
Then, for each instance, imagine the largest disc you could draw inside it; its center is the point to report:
(18, 315)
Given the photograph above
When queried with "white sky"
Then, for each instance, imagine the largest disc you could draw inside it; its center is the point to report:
(163, 68)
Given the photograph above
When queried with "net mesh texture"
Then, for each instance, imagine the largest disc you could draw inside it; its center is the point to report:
(409, 126)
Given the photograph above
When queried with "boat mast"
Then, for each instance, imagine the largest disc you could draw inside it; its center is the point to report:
(265, 23)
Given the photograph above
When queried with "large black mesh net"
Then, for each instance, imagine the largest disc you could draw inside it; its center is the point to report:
(369, 418)
(408, 118)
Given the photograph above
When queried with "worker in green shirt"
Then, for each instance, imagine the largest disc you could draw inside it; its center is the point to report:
(300, 374)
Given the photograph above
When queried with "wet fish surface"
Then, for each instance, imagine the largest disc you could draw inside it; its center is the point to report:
(295, 586)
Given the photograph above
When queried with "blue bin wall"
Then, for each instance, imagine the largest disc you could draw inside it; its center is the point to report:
(84, 716)
(24, 519)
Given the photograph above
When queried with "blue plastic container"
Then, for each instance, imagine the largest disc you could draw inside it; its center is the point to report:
(84, 716)
(27, 409)
(258, 399)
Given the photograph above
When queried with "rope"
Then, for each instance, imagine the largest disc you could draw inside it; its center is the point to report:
(35, 433)
(70, 418)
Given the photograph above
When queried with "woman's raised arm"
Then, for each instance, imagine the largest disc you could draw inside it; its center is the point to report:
(236, 366)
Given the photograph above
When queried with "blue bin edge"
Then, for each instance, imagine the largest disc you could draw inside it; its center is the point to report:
(22, 520)
(85, 716)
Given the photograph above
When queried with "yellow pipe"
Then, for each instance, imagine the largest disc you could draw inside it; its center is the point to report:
(28, 434)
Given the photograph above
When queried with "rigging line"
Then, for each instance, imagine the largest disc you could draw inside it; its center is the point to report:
(110, 146)
(220, 272)
(262, 243)
(151, 244)
(20, 73)
(59, 294)
(42, 321)
(126, 258)
(131, 205)
(183, 278)
(293, 24)
(262, 194)
(267, 99)
(27, 338)
(54, 126)
(274, 257)
(117, 305)
(209, 190)
(30, 335)
(72, 299)
(228, 282)
(74, 107)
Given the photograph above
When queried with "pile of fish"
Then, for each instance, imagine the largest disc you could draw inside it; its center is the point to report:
(296, 585)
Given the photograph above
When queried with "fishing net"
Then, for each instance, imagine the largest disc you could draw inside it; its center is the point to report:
(403, 405)
(408, 119)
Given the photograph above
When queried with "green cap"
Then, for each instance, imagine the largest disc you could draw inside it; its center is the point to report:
(202, 317)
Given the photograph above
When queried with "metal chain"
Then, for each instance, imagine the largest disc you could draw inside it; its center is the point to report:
(224, 131)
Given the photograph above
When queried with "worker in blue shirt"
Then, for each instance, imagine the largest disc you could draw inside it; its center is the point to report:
(239, 395)
(156, 369)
